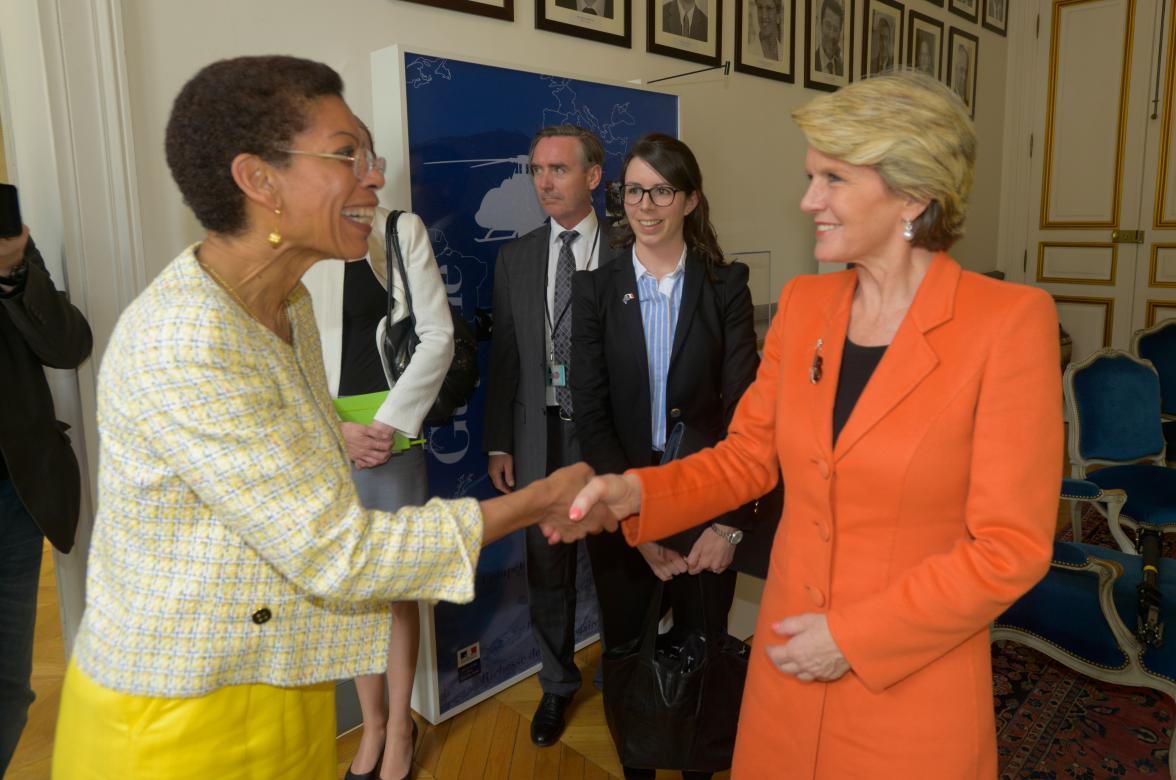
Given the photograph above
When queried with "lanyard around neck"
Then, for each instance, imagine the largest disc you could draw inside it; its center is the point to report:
(547, 280)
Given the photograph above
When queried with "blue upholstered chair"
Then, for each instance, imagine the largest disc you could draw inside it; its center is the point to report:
(1158, 344)
(1109, 502)
(1083, 614)
(1113, 399)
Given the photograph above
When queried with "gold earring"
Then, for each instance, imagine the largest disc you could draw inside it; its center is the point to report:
(275, 238)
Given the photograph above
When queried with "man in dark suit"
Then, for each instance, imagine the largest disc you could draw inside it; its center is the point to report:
(39, 479)
(828, 56)
(529, 414)
(685, 18)
(592, 7)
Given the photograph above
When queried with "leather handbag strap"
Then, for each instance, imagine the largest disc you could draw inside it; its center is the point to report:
(396, 258)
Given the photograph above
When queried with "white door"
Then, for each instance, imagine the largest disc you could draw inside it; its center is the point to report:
(1102, 230)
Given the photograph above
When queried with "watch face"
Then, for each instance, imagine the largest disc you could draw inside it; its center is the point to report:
(736, 536)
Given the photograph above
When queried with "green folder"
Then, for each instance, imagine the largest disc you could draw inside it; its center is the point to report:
(362, 409)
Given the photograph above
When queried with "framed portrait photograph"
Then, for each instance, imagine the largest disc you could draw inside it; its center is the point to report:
(924, 42)
(996, 16)
(496, 9)
(965, 8)
(828, 40)
(686, 29)
(881, 37)
(764, 32)
(607, 21)
(963, 53)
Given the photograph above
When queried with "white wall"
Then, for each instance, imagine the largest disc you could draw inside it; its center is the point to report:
(750, 151)
(32, 167)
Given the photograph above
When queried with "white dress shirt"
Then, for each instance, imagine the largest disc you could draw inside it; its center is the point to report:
(586, 250)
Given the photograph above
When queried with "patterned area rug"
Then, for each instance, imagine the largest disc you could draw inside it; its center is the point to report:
(1052, 722)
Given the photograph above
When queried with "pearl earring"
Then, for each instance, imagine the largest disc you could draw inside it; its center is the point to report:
(908, 229)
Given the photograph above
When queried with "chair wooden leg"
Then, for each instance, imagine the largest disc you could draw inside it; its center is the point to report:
(1114, 501)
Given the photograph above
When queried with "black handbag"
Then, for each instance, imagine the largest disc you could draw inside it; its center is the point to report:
(672, 700)
(400, 339)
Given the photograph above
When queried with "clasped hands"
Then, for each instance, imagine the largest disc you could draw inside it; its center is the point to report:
(810, 653)
(368, 446)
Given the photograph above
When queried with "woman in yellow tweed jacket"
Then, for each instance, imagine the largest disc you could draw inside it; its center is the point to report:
(234, 573)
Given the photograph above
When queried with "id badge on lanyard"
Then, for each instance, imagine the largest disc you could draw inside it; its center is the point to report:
(557, 373)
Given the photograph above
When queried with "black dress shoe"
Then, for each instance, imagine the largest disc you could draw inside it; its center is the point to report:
(372, 775)
(548, 722)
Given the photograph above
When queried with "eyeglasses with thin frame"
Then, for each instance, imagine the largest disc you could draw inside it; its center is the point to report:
(659, 195)
(363, 162)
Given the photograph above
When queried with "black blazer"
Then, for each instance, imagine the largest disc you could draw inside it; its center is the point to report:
(713, 361)
(40, 327)
(516, 394)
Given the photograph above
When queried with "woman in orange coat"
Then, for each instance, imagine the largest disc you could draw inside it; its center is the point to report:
(914, 410)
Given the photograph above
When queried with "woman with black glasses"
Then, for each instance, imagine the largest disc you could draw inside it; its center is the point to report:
(660, 336)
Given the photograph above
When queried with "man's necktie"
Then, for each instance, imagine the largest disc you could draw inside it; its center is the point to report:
(590, 10)
(561, 338)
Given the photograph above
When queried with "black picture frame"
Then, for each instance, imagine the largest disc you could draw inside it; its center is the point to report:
(960, 8)
(996, 16)
(963, 41)
(873, 14)
(752, 56)
(815, 74)
(612, 24)
(505, 11)
(703, 43)
(919, 27)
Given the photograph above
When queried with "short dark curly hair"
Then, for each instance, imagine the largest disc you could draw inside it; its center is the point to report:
(250, 105)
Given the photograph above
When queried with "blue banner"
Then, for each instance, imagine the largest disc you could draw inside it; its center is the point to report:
(469, 133)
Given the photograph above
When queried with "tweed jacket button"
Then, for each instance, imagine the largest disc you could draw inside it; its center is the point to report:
(262, 616)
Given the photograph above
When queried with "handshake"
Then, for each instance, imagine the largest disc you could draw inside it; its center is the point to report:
(567, 505)
(579, 503)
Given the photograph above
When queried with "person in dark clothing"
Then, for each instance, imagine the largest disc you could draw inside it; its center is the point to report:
(40, 488)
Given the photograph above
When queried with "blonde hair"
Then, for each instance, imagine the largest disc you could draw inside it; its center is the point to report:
(914, 132)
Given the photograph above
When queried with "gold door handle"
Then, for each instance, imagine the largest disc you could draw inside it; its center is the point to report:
(1126, 236)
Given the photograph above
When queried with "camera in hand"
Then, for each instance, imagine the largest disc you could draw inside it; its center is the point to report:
(10, 223)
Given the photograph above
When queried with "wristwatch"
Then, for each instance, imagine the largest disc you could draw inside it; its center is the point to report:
(734, 537)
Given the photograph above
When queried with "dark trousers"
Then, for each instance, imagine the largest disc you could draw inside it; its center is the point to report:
(624, 586)
(20, 567)
(551, 579)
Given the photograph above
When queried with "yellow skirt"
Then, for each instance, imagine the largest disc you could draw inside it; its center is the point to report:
(240, 732)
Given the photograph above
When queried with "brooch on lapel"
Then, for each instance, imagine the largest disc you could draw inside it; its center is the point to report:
(815, 368)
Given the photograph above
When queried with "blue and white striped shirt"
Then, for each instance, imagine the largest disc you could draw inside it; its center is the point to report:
(660, 303)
